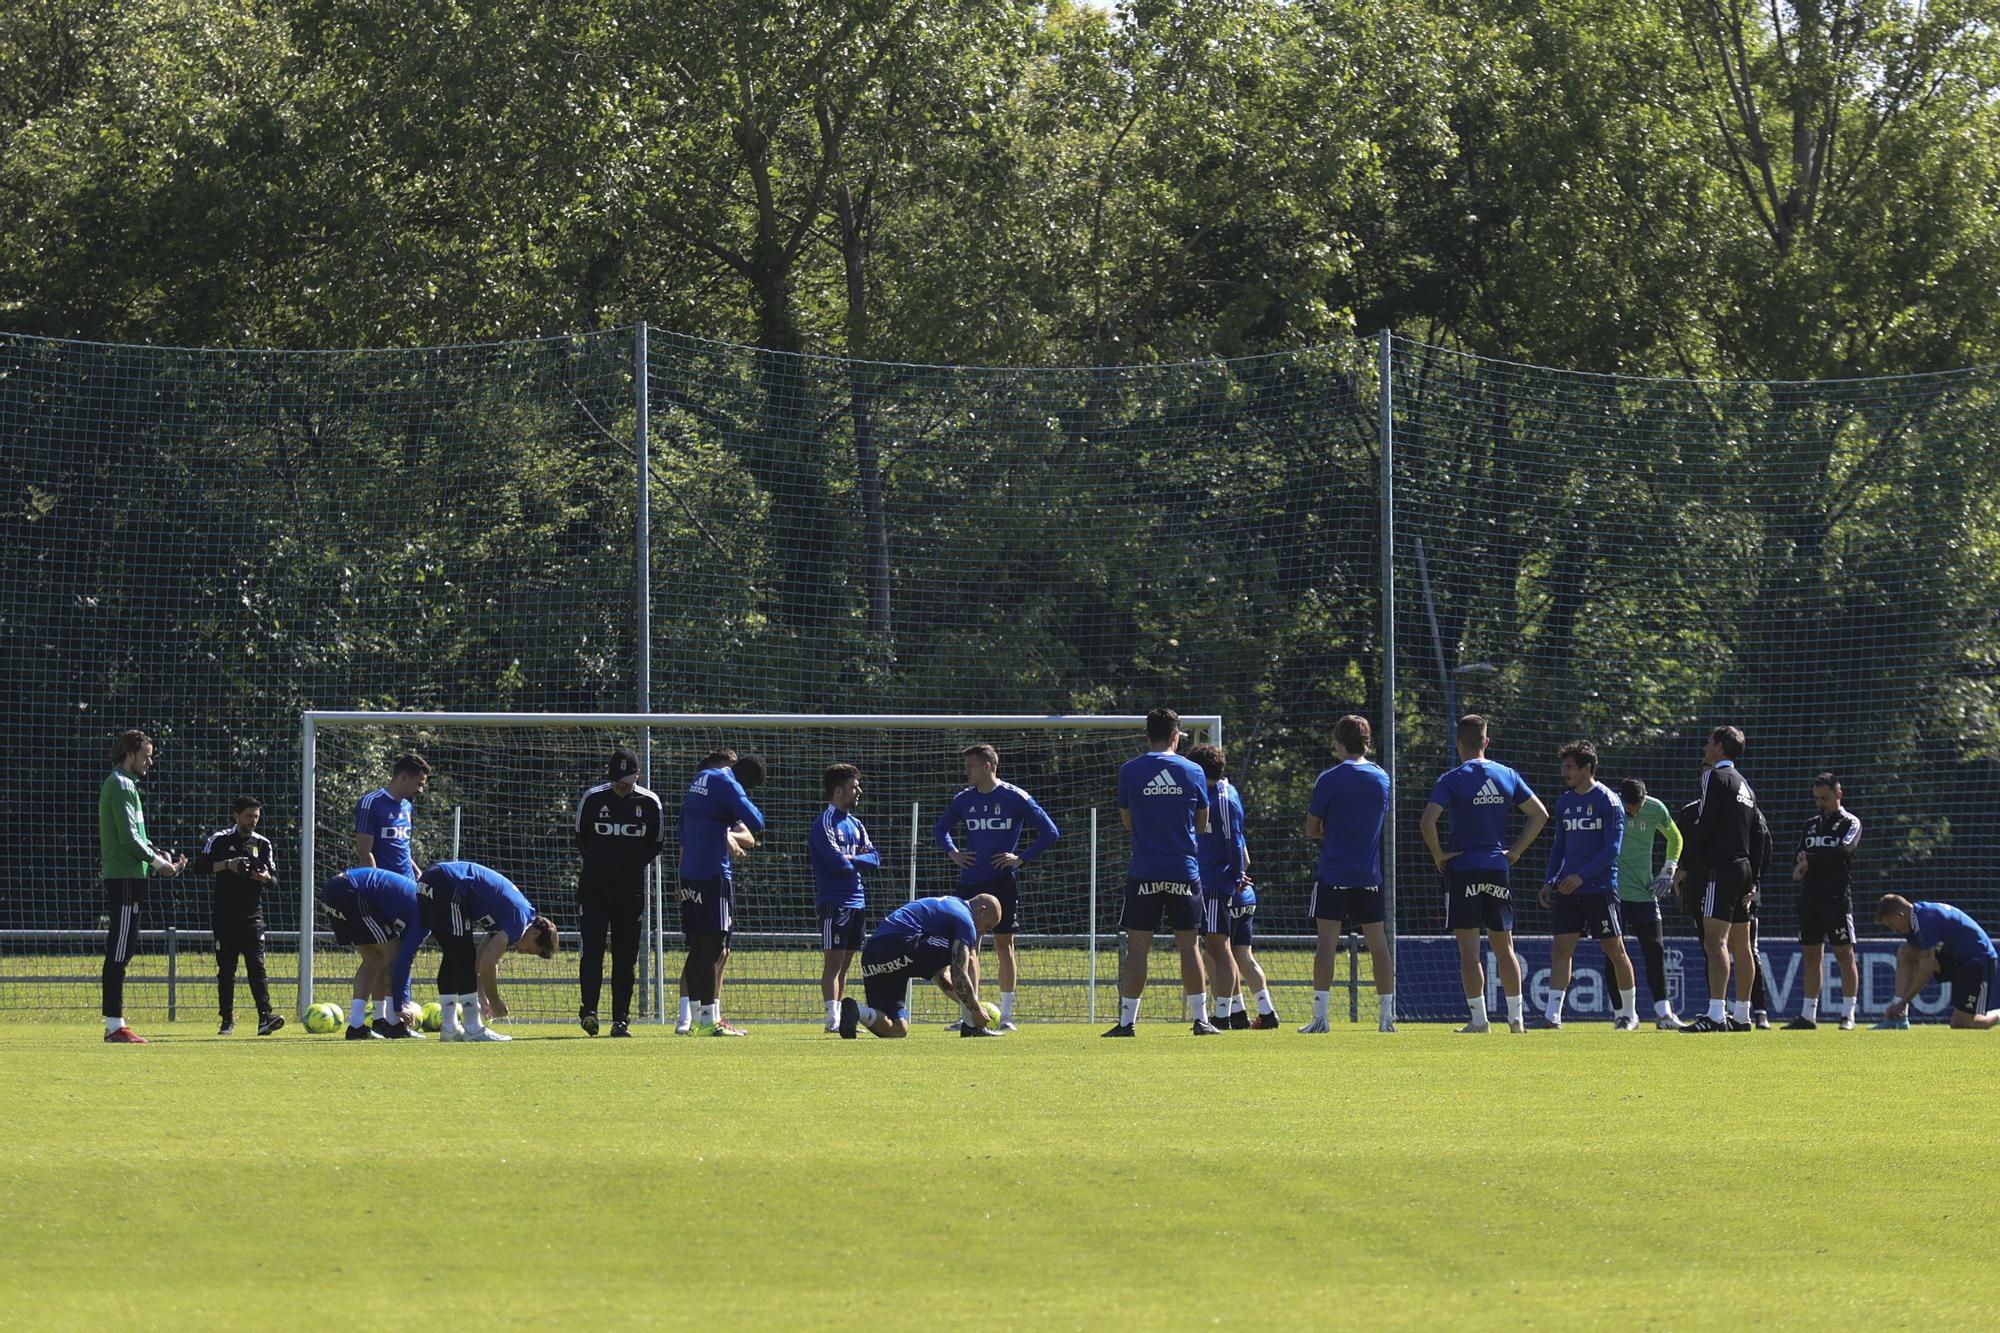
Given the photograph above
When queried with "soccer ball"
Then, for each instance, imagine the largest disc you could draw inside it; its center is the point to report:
(433, 1017)
(992, 1013)
(323, 1018)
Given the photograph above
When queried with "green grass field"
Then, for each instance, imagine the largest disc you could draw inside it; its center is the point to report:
(1048, 1179)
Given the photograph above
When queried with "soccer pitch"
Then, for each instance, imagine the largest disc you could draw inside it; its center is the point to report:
(1049, 1179)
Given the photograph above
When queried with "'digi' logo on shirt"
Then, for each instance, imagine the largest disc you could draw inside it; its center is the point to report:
(1489, 795)
(1163, 784)
(1582, 823)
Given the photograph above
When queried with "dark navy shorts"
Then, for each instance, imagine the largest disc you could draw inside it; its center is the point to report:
(350, 918)
(1972, 984)
(842, 928)
(1641, 919)
(1594, 915)
(1149, 902)
(706, 907)
(1352, 904)
(1827, 919)
(1478, 899)
(1007, 888)
(886, 972)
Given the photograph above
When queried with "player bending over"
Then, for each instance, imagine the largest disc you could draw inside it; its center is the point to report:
(931, 937)
(376, 913)
(995, 814)
(1163, 802)
(1581, 890)
(839, 846)
(1944, 942)
(1221, 856)
(1479, 894)
(1350, 804)
(459, 898)
(718, 823)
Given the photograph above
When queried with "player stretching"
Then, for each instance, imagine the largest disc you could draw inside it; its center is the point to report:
(1163, 803)
(995, 814)
(1639, 889)
(376, 912)
(1580, 891)
(125, 859)
(838, 847)
(1350, 804)
(1945, 942)
(1824, 869)
(382, 818)
(620, 828)
(1221, 856)
(1719, 858)
(1477, 881)
(241, 860)
(457, 898)
(717, 819)
(931, 937)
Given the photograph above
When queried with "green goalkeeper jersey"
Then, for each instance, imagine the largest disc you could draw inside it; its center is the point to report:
(122, 849)
(1635, 857)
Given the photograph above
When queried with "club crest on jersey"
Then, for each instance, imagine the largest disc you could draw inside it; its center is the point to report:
(1489, 794)
(1162, 784)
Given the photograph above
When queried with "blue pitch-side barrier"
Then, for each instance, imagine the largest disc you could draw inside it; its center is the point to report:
(1428, 988)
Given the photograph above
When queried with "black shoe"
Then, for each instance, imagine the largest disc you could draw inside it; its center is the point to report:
(1204, 1028)
(269, 1023)
(1761, 1021)
(397, 1032)
(1736, 1025)
(619, 1028)
(1122, 1030)
(228, 1028)
(363, 1034)
(1802, 1025)
(587, 1020)
(850, 1018)
(967, 1030)
(382, 1027)
(1264, 1022)
(1704, 1024)
(1239, 1021)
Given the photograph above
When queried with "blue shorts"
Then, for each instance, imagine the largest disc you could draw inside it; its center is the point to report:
(1639, 918)
(886, 972)
(1147, 901)
(1242, 913)
(1007, 888)
(1478, 900)
(842, 928)
(1591, 914)
(1354, 904)
(705, 907)
(352, 923)
(1972, 984)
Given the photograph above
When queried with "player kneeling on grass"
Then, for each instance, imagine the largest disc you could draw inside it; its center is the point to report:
(376, 913)
(459, 898)
(931, 937)
(1944, 942)
(1581, 892)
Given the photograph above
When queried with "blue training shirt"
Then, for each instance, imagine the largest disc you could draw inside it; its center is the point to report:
(1951, 932)
(840, 843)
(387, 820)
(928, 928)
(1220, 852)
(994, 822)
(487, 899)
(715, 803)
(1590, 830)
(1163, 791)
(392, 898)
(1479, 795)
(1351, 802)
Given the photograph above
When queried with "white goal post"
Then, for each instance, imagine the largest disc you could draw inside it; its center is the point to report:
(313, 723)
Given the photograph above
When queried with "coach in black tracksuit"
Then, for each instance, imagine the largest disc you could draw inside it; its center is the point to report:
(1721, 860)
(241, 860)
(620, 828)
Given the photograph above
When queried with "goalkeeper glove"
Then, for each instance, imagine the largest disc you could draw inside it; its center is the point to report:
(1663, 884)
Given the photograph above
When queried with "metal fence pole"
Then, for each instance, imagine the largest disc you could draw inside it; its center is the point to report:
(909, 987)
(173, 972)
(308, 819)
(655, 953)
(1093, 914)
(1387, 446)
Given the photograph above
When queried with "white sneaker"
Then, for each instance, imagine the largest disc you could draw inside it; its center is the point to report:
(1669, 1022)
(1477, 1027)
(686, 1025)
(486, 1034)
(1317, 1025)
(1006, 1025)
(833, 1027)
(1625, 1023)
(1386, 1025)
(452, 1034)
(1517, 1024)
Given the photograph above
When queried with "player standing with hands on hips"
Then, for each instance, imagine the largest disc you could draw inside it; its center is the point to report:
(994, 813)
(126, 859)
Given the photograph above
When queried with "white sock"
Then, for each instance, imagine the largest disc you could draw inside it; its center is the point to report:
(832, 1012)
(1198, 1002)
(473, 1021)
(965, 1012)
(711, 1014)
(1128, 1010)
(687, 1011)
(1661, 1008)
(1516, 1006)
(1477, 1004)
(1006, 1006)
(1809, 1008)
(1741, 1011)
(1387, 1000)
(1321, 999)
(1555, 1010)
(1717, 1011)
(1220, 1006)
(868, 1016)
(112, 1024)
(1848, 1011)
(357, 1012)
(384, 1012)
(448, 1012)
(1264, 1005)
(1628, 1002)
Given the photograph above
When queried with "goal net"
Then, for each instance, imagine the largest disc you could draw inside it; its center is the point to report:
(504, 789)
